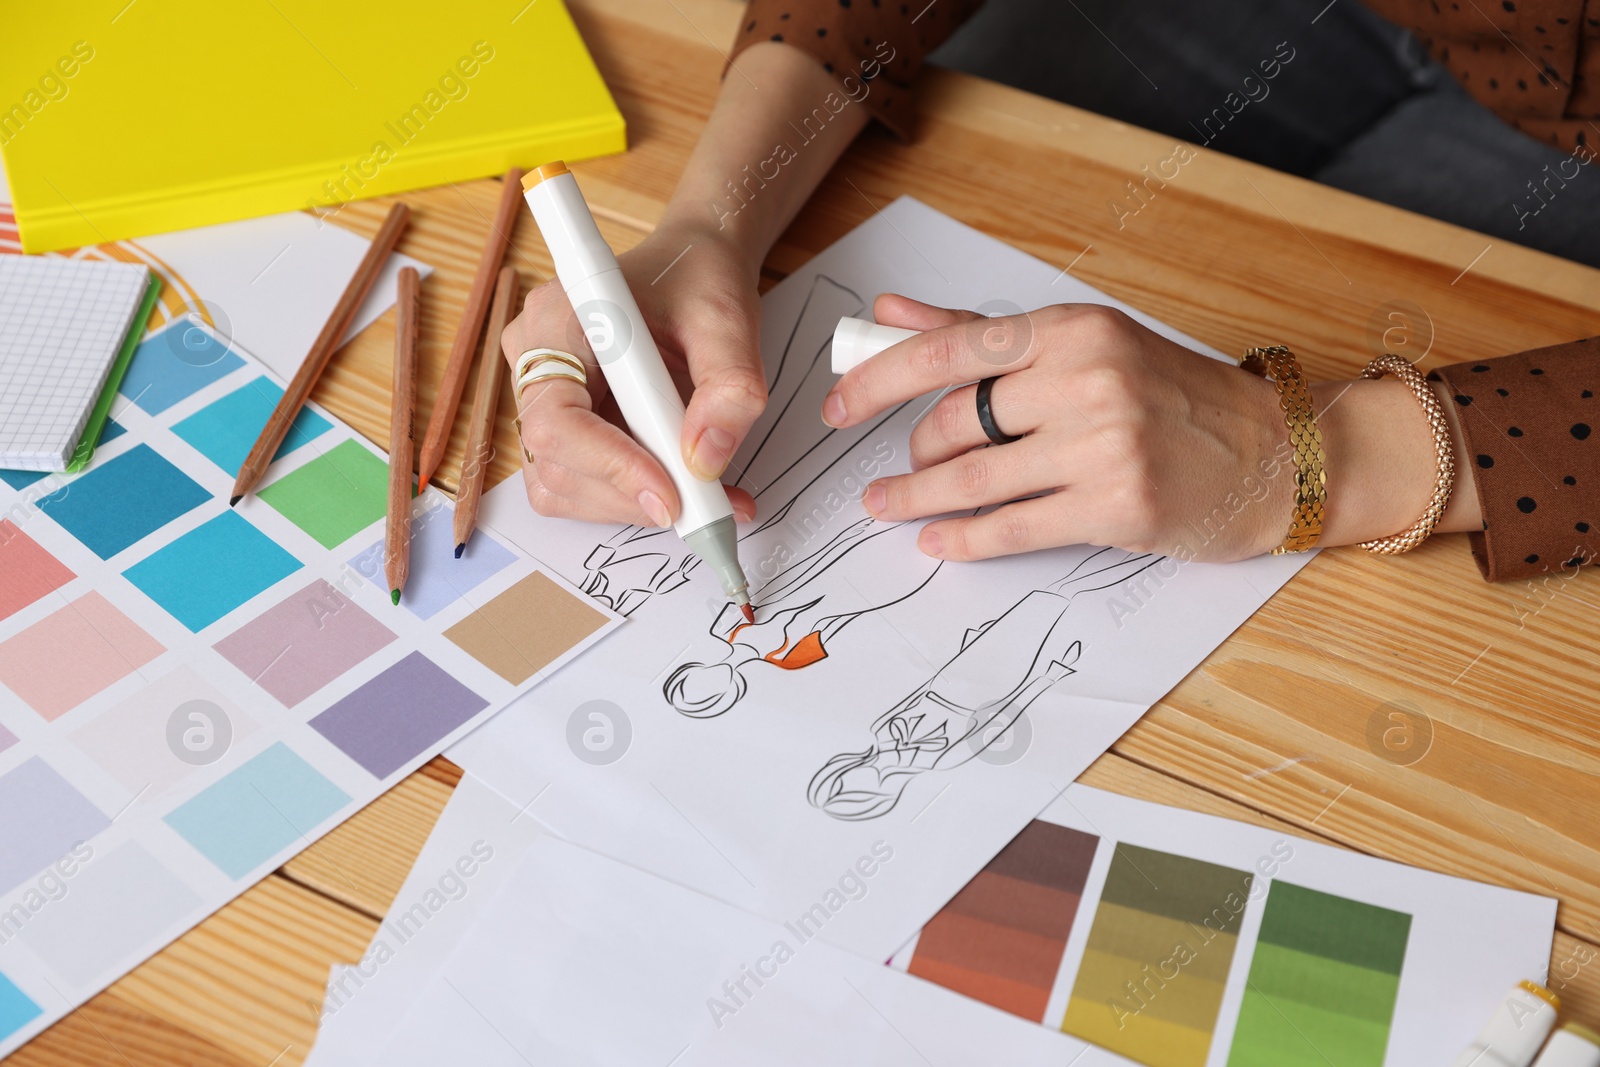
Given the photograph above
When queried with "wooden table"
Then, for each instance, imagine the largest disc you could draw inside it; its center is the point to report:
(1274, 728)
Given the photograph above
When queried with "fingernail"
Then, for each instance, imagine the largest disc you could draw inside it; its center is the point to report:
(711, 453)
(876, 497)
(930, 543)
(652, 506)
(833, 410)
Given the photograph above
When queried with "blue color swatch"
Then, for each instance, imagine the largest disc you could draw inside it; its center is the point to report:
(226, 430)
(175, 363)
(111, 506)
(16, 1010)
(211, 570)
(437, 578)
(275, 800)
(20, 479)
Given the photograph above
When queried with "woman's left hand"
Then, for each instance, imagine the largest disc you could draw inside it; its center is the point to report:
(1129, 439)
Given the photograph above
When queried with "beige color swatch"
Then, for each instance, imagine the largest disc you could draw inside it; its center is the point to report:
(526, 628)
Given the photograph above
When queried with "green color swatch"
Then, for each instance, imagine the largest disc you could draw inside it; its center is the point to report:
(1322, 983)
(335, 496)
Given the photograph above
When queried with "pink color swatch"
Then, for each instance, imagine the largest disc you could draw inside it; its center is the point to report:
(27, 572)
(69, 656)
(295, 648)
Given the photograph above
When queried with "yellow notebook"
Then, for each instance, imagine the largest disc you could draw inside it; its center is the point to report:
(119, 119)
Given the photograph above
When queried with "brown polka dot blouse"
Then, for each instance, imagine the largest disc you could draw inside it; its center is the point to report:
(1529, 419)
(1535, 63)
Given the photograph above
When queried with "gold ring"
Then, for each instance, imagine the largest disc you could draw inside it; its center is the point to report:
(546, 369)
(538, 355)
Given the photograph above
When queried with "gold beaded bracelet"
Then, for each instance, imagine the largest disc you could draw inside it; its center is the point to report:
(1278, 364)
(1444, 455)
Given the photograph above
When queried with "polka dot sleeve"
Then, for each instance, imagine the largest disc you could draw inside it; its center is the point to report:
(1530, 423)
(873, 47)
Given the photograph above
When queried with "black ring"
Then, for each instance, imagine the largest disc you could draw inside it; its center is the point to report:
(986, 416)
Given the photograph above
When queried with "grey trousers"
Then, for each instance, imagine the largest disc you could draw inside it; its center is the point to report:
(1327, 91)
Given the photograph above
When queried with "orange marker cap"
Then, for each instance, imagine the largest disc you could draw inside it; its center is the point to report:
(540, 173)
(1542, 993)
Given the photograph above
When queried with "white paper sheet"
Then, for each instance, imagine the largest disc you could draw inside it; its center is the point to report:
(472, 851)
(1467, 942)
(766, 800)
(559, 948)
(582, 960)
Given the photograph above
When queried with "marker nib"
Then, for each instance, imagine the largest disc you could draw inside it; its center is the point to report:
(462, 547)
(749, 612)
(235, 501)
(394, 597)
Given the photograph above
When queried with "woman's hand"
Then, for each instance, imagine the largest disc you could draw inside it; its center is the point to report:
(698, 294)
(1131, 441)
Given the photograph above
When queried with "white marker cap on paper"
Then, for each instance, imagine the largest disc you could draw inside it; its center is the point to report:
(856, 340)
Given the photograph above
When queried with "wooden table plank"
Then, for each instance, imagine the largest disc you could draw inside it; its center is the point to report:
(242, 987)
(362, 862)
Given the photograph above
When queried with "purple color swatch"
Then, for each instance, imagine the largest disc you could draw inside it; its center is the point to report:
(295, 648)
(399, 715)
(7, 739)
(41, 818)
(437, 579)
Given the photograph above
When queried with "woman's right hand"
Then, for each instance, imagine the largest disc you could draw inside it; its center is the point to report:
(697, 293)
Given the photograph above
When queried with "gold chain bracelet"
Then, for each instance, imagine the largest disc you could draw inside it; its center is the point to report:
(1444, 455)
(1278, 364)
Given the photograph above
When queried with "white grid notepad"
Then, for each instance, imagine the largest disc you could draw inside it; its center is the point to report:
(62, 322)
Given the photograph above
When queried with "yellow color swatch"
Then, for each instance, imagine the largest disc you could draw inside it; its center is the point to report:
(119, 119)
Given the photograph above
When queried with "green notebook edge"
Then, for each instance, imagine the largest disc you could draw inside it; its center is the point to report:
(119, 367)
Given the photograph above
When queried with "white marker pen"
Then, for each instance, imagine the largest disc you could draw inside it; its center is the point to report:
(622, 345)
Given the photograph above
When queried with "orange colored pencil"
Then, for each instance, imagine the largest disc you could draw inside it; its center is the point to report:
(305, 379)
(491, 373)
(443, 416)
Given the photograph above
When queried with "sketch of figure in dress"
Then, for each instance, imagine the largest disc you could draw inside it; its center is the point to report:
(638, 563)
(975, 698)
(866, 567)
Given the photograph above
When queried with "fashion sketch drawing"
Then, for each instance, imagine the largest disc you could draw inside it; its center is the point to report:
(974, 699)
(637, 563)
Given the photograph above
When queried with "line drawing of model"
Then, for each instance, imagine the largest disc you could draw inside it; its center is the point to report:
(638, 563)
(974, 699)
(866, 567)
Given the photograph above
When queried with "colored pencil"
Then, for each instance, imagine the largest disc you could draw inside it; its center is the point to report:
(305, 379)
(402, 415)
(443, 416)
(491, 373)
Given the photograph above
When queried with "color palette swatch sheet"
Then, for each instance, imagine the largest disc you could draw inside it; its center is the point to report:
(192, 693)
(1185, 940)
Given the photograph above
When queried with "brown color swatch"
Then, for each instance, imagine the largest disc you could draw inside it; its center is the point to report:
(526, 628)
(1000, 940)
